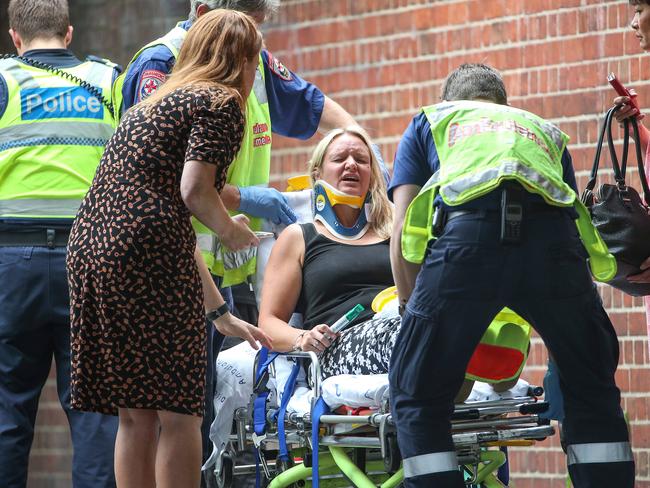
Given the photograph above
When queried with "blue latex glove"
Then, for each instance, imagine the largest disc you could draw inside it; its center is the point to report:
(267, 203)
(382, 164)
(553, 393)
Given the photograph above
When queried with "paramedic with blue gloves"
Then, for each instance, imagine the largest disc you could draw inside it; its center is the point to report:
(52, 135)
(496, 187)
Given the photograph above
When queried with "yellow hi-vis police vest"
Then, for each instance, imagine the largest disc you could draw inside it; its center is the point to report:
(480, 145)
(251, 167)
(172, 41)
(52, 136)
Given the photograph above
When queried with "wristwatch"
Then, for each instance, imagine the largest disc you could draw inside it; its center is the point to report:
(213, 315)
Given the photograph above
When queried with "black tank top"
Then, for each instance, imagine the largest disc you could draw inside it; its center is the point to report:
(336, 277)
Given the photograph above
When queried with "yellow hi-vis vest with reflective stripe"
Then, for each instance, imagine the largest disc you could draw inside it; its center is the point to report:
(172, 41)
(251, 167)
(52, 136)
(480, 145)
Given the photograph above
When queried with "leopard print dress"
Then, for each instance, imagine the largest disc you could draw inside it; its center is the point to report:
(137, 319)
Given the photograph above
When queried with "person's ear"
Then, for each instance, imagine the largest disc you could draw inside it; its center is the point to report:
(202, 9)
(16, 39)
(68, 36)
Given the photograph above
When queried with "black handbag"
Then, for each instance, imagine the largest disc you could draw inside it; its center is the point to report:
(617, 211)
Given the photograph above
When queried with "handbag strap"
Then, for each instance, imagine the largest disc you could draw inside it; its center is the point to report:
(639, 161)
(591, 184)
(619, 169)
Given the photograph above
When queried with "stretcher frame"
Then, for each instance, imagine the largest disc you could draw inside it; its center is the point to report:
(479, 429)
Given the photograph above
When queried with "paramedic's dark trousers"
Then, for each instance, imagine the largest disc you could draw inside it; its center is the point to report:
(34, 327)
(467, 277)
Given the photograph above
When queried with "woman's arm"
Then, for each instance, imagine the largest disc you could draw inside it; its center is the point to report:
(227, 324)
(404, 273)
(281, 288)
(203, 201)
(280, 294)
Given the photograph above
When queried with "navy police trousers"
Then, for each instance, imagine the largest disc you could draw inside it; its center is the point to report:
(34, 328)
(467, 277)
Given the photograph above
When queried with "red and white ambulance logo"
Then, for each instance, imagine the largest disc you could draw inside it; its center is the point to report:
(150, 81)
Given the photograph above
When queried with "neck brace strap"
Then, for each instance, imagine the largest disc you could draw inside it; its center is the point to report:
(325, 197)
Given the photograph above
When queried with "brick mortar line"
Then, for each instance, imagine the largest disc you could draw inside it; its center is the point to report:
(515, 71)
(283, 25)
(307, 74)
(489, 48)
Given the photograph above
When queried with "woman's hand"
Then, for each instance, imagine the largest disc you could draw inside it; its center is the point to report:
(627, 110)
(644, 275)
(229, 325)
(317, 339)
(237, 235)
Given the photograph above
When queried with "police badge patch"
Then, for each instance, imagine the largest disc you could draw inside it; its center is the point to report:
(149, 82)
(279, 69)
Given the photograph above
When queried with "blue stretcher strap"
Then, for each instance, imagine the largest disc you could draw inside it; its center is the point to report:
(289, 387)
(259, 405)
(320, 408)
(259, 413)
(258, 475)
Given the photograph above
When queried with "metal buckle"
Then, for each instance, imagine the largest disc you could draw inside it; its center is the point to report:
(257, 442)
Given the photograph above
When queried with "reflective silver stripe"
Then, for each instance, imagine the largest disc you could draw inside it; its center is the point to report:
(175, 37)
(259, 88)
(43, 130)
(599, 452)
(21, 75)
(234, 259)
(436, 462)
(36, 207)
(452, 191)
(205, 242)
(97, 74)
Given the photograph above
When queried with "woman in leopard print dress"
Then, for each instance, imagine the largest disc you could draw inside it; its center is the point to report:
(137, 280)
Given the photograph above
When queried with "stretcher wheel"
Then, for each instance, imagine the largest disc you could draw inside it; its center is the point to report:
(227, 471)
(393, 458)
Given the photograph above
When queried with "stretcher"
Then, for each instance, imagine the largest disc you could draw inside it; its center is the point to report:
(358, 446)
(309, 436)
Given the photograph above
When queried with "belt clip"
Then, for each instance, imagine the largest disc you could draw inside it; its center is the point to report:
(51, 234)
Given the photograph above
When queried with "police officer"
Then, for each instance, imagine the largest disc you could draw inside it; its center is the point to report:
(496, 187)
(281, 103)
(55, 117)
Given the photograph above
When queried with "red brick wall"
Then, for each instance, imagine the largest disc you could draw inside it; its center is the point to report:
(383, 59)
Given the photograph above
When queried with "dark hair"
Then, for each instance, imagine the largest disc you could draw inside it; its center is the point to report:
(638, 2)
(39, 18)
(475, 80)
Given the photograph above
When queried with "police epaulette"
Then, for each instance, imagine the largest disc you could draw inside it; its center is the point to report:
(97, 59)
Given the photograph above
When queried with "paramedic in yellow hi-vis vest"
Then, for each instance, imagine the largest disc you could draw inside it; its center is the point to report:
(487, 216)
(281, 103)
(55, 118)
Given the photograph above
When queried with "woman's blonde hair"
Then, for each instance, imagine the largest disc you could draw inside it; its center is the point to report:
(381, 213)
(214, 54)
